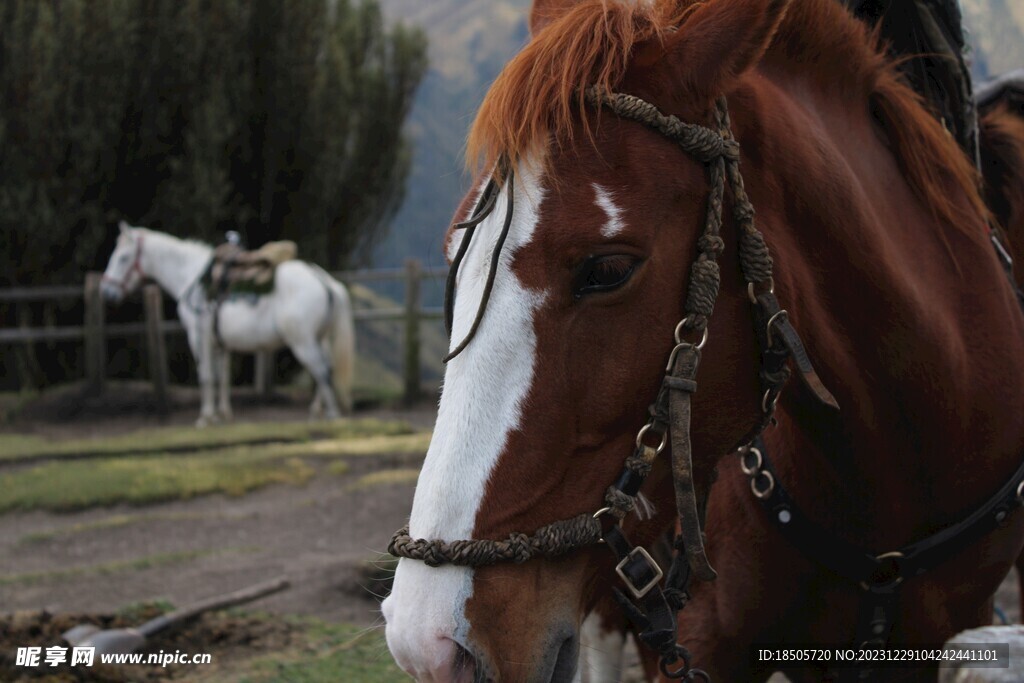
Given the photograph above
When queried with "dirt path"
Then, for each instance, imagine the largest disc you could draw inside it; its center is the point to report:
(319, 535)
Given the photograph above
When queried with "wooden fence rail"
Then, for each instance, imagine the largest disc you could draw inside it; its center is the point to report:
(95, 331)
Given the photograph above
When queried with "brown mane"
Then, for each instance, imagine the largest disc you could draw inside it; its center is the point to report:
(537, 95)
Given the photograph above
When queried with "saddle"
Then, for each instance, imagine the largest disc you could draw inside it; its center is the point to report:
(235, 270)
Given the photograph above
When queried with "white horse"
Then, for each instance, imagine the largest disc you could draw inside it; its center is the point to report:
(307, 310)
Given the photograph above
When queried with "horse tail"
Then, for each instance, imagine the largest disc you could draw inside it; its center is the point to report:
(340, 338)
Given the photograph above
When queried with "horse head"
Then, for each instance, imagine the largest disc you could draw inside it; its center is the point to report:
(124, 271)
(572, 267)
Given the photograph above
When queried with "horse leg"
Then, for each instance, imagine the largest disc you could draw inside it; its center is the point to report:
(340, 381)
(205, 369)
(224, 376)
(312, 357)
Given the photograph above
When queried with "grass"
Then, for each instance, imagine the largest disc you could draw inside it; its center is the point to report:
(332, 652)
(338, 467)
(381, 444)
(181, 463)
(385, 478)
(181, 439)
(67, 486)
(133, 565)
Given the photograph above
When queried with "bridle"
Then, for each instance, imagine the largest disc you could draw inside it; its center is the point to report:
(652, 605)
(136, 268)
(655, 609)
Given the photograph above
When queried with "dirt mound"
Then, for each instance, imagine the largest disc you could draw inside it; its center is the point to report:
(227, 637)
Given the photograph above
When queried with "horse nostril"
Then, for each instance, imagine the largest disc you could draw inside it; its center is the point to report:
(566, 661)
(464, 666)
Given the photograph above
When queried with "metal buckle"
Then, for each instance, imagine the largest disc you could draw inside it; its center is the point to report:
(638, 593)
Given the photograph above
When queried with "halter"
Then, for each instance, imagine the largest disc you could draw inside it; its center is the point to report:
(653, 607)
(136, 267)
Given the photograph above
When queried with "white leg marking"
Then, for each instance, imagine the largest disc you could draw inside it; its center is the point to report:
(484, 388)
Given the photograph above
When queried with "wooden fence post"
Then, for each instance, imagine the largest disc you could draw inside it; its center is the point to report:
(95, 335)
(413, 274)
(263, 373)
(153, 300)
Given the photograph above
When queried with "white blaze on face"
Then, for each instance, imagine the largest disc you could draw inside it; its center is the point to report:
(615, 223)
(484, 389)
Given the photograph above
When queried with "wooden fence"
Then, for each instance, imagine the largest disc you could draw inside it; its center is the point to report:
(94, 330)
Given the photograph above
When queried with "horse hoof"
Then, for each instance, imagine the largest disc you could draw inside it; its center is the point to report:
(202, 422)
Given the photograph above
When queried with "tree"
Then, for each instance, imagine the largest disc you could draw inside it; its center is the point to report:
(280, 119)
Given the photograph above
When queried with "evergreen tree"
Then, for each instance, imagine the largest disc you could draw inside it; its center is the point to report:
(281, 119)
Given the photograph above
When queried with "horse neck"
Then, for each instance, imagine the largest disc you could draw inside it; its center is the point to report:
(889, 301)
(173, 263)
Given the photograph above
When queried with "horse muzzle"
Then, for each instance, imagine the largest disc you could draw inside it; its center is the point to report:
(111, 293)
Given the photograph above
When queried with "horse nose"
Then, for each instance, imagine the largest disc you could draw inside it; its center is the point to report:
(434, 659)
(110, 293)
(424, 621)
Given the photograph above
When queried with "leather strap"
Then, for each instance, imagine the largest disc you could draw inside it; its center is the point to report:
(681, 385)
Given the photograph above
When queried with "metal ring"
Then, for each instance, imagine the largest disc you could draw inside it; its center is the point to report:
(768, 489)
(894, 555)
(764, 402)
(597, 515)
(1020, 492)
(751, 471)
(750, 290)
(643, 432)
(771, 321)
(681, 653)
(680, 347)
(679, 332)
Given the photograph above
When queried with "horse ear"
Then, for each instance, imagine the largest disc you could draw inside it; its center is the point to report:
(124, 227)
(545, 12)
(718, 41)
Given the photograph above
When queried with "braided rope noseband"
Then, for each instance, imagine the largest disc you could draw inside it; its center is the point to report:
(720, 153)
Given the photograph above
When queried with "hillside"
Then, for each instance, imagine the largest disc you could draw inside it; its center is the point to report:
(470, 40)
(997, 32)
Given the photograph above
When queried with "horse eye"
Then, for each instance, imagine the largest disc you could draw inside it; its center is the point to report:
(603, 274)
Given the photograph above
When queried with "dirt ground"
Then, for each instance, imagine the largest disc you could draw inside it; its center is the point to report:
(322, 536)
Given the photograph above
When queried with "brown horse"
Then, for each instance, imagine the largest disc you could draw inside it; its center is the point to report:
(881, 257)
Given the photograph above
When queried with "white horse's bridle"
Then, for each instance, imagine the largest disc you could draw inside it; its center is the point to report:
(136, 267)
